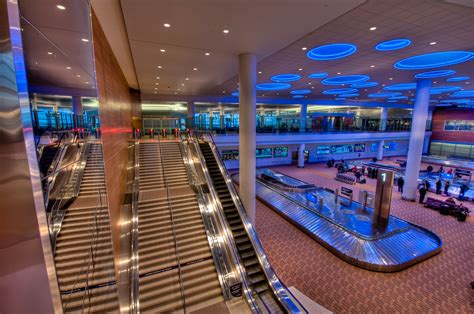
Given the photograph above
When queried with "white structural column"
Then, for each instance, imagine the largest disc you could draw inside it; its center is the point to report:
(417, 136)
(210, 120)
(247, 131)
(303, 113)
(383, 119)
(380, 149)
(221, 118)
(77, 105)
(190, 115)
(301, 155)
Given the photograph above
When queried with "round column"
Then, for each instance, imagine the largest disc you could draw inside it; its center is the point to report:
(383, 118)
(190, 115)
(303, 113)
(247, 131)
(301, 155)
(417, 136)
(380, 149)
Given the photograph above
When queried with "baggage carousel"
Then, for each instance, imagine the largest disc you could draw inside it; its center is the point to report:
(345, 228)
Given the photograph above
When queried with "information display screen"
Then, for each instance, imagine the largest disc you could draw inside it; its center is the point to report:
(390, 146)
(359, 148)
(230, 154)
(323, 150)
(264, 152)
(374, 146)
(280, 151)
(341, 149)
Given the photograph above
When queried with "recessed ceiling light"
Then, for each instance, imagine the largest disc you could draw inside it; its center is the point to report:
(195, 69)
(156, 88)
(166, 25)
(207, 54)
(78, 75)
(373, 28)
(157, 83)
(390, 78)
(309, 83)
(87, 82)
(156, 92)
(467, 83)
(162, 50)
(312, 87)
(68, 68)
(178, 89)
(304, 48)
(435, 82)
(433, 43)
(175, 93)
(61, 7)
(278, 94)
(383, 84)
(158, 77)
(223, 92)
(372, 66)
(187, 79)
(85, 40)
(259, 72)
(159, 67)
(182, 84)
(300, 69)
(338, 73)
(225, 31)
(50, 53)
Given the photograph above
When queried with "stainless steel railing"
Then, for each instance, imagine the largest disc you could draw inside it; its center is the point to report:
(134, 255)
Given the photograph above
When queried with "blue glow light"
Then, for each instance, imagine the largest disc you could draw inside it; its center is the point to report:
(398, 97)
(345, 79)
(349, 95)
(464, 93)
(444, 89)
(401, 86)
(457, 101)
(273, 86)
(298, 96)
(331, 51)
(340, 98)
(300, 92)
(235, 94)
(318, 75)
(383, 95)
(285, 77)
(434, 60)
(364, 84)
(458, 79)
(392, 100)
(338, 91)
(393, 44)
(433, 100)
(439, 73)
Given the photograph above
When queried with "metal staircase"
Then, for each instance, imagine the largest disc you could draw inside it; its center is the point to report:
(93, 178)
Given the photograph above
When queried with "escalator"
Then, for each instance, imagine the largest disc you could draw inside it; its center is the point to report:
(257, 279)
(47, 157)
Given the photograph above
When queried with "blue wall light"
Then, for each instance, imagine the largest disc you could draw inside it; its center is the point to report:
(383, 95)
(273, 86)
(464, 93)
(345, 79)
(235, 94)
(393, 44)
(364, 84)
(444, 89)
(401, 86)
(298, 96)
(458, 79)
(349, 95)
(434, 60)
(318, 75)
(285, 78)
(300, 92)
(338, 91)
(331, 51)
(439, 73)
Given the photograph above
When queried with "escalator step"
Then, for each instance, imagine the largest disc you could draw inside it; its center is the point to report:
(253, 269)
(260, 287)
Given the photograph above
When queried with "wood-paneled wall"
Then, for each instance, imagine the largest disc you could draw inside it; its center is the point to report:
(117, 104)
(441, 115)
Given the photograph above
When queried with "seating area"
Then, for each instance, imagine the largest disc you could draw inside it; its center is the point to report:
(349, 179)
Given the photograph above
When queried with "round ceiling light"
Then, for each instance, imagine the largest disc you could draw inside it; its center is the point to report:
(235, 94)
(434, 60)
(345, 79)
(383, 95)
(439, 73)
(300, 92)
(393, 44)
(318, 75)
(349, 95)
(298, 96)
(273, 86)
(340, 98)
(401, 86)
(331, 51)
(458, 79)
(364, 84)
(338, 91)
(286, 77)
(444, 89)
(398, 97)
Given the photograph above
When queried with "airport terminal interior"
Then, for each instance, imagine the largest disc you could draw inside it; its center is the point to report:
(236, 156)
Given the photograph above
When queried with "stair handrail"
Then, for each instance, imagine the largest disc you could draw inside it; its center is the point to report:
(286, 298)
(135, 270)
(180, 275)
(226, 232)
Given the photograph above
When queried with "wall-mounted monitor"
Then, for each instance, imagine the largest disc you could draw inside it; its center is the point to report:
(342, 149)
(359, 148)
(232, 154)
(323, 150)
(264, 152)
(281, 151)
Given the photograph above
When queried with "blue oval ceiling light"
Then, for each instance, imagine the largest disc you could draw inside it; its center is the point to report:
(318, 75)
(392, 100)
(383, 95)
(331, 51)
(393, 44)
(338, 91)
(434, 60)
(364, 84)
(401, 86)
(464, 93)
(273, 86)
(345, 79)
(444, 89)
(235, 94)
(298, 96)
(398, 97)
(457, 101)
(300, 92)
(286, 77)
(458, 79)
(439, 73)
(349, 95)
(340, 98)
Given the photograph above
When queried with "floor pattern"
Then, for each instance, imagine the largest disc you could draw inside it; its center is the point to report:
(439, 284)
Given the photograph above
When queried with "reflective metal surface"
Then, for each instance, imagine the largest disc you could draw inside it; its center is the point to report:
(134, 269)
(399, 246)
(27, 274)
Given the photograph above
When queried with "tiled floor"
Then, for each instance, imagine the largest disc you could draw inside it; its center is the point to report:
(439, 284)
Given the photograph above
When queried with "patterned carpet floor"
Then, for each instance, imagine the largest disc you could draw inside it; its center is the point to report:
(440, 284)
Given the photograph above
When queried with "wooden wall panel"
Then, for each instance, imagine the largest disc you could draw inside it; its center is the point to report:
(440, 115)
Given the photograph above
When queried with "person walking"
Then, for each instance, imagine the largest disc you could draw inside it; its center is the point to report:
(446, 188)
(400, 183)
(463, 191)
(427, 185)
(439, 184)
(422, 192)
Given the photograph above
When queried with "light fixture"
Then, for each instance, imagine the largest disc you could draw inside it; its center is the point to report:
(434, 60)
(285, 77)
(178, 89)
(207, 54)
(162, 50)
(372, 66)
(195, 69)
(182, 84)
(259, 72)
(156, 92)
(304, 48)
(331, 51)
(225, 31)
(300, 69)
(338, 73)
(223, 92)
(187, 79)
(87, 82)
(78, 75)
(50, 53)
(393, 44)
(61, 7)
(158, 77)
(433, 43)
(166, 25)
(157, 83)
(85, 40)
(390, 78)
(159, 67)
(156, 88)
(373, 28)
(309, 83)
(68, 68)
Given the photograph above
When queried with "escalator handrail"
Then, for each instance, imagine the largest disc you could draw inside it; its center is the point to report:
(286, 298)
(134, 265)
(229, 249)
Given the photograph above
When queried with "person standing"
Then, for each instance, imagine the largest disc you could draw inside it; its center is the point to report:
(422, 192)
(439, 184)
(400, 183)
(427, 185)
(446, 188)
(462, 191)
